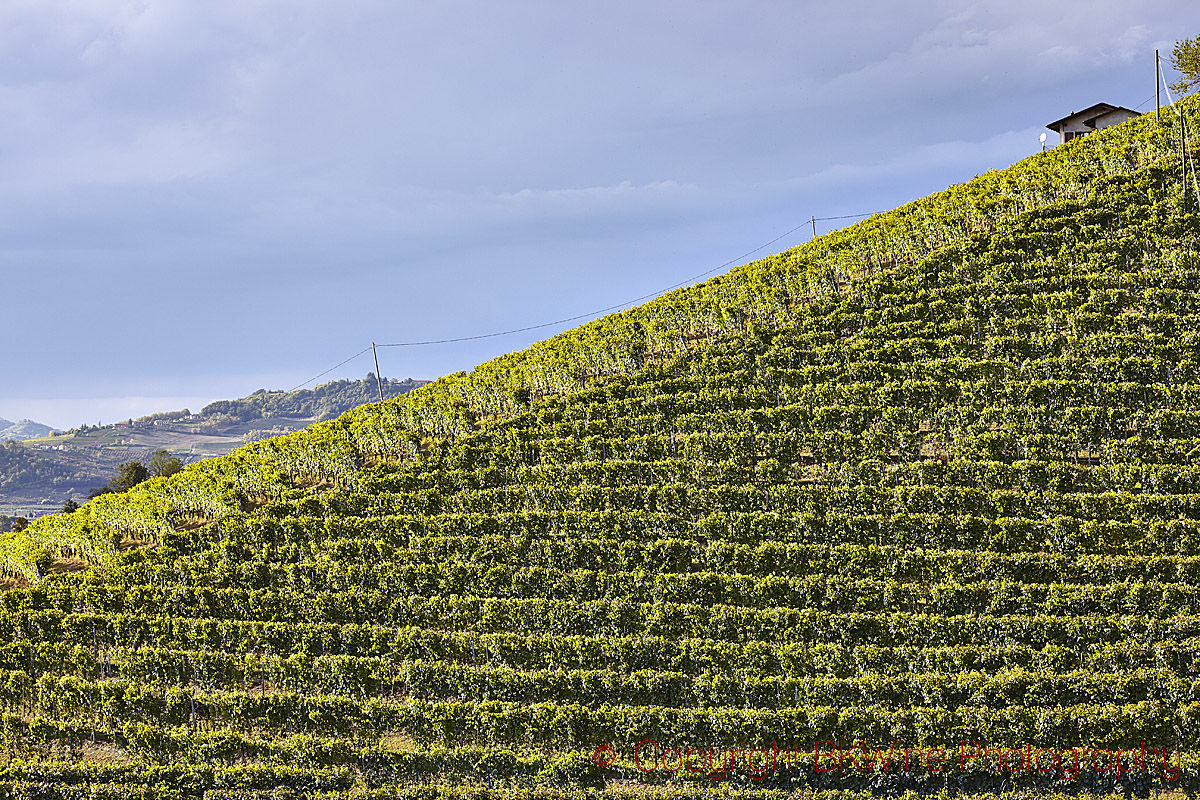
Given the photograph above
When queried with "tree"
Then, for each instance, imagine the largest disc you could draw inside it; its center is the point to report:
(1185, 58)
(129, 474)
(70, 506)
(163, 464)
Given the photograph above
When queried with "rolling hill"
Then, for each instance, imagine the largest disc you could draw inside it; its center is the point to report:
(912, 507)
(41, 474)
(25, 429)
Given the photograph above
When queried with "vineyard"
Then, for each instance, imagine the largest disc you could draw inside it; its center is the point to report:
(926, 485)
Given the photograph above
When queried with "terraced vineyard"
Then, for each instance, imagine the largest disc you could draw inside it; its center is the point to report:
(913, 507)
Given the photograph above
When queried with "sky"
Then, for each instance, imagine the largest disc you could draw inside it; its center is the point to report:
(200, 199)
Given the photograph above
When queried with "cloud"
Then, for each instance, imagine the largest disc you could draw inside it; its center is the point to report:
(925, 168)
(1130, 44)
(558, 201)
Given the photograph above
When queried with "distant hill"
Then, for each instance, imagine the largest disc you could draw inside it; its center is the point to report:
(25, 429)
(38, 472)
(324, 402)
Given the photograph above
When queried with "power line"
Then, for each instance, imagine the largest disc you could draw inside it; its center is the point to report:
(330, 370)
(577, 317)
(846, 216)
(1138, 107)
(588, 314)
(598, 311)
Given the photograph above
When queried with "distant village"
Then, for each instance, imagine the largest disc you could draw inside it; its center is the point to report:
(150, 423)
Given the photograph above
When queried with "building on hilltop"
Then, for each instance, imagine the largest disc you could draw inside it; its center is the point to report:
(1090, 120)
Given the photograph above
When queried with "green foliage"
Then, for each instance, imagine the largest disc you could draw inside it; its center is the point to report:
(162, 464)
(128, 475)
(323, 402)
(21, 465)
(1185, 58)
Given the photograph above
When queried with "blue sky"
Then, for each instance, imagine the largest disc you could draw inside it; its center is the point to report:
(201, 199)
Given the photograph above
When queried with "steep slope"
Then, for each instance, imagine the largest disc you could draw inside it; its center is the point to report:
(923, 483)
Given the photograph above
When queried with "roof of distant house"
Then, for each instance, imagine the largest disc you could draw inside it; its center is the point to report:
(1087, 115)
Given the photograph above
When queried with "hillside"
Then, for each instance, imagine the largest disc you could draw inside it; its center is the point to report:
(40, 476)
(928, 480)
(25, 429)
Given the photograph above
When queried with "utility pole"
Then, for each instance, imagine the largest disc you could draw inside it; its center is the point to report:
(1157, 88)
(814, 224)
(378, 380)
(1183, 152)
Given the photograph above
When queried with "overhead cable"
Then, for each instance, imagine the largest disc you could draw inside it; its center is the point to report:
(589, 314)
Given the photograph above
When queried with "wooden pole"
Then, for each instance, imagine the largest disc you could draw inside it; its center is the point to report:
(814, 224)
(1157, 88)
(1183, 154)
(378, 380)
